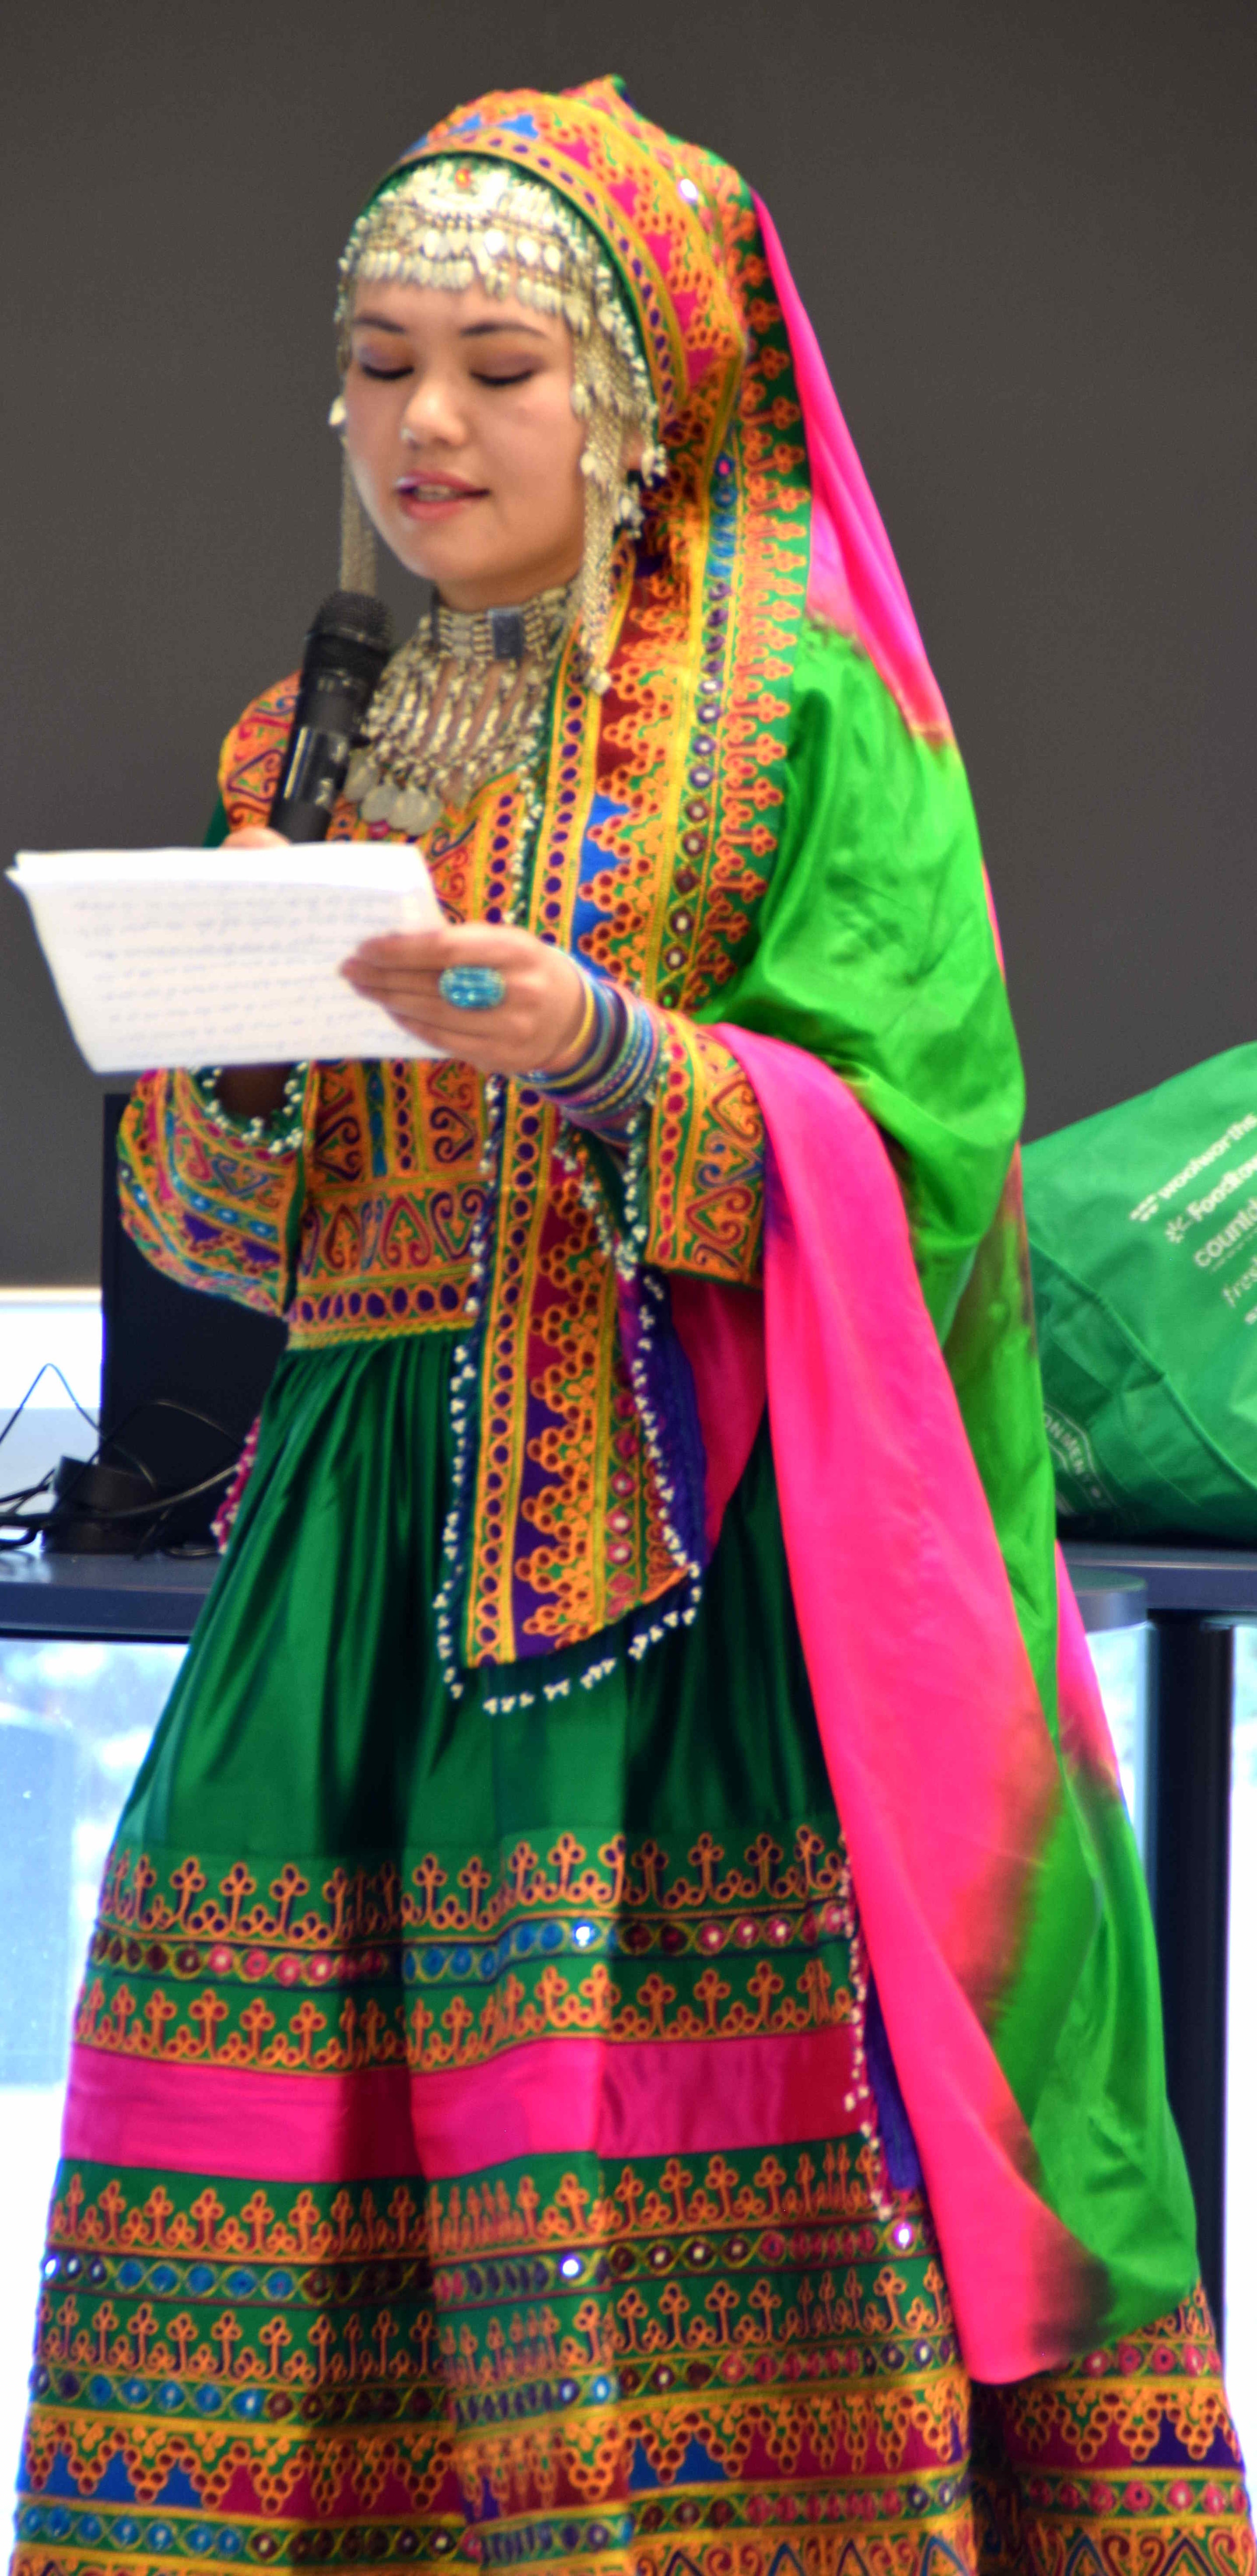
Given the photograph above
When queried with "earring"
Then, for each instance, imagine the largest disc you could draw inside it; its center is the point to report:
(357, 536)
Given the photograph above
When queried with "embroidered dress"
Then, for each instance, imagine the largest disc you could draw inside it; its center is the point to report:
(622, 2030)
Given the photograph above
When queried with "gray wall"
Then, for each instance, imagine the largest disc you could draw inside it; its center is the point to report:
(1026, 236)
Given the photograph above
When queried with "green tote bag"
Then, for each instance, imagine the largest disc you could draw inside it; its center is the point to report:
(1143, 1242)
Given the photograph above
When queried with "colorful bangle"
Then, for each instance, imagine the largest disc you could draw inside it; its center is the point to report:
(280, 1131)
(614, 1073)
(578, 1049)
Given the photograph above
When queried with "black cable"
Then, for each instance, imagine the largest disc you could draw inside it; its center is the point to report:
(161, 1503)
(29, 1523)
(24, 1495)
(149, 1538)
(159, 1509)
(175, 1404)
(91, 1419)
(10, 1512)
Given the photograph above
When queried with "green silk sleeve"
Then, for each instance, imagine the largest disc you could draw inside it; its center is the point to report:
(218, 827)
(874, 949)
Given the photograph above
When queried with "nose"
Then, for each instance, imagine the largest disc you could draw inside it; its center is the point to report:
(432, 416)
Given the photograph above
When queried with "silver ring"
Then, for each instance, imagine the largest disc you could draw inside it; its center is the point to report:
(472, 988)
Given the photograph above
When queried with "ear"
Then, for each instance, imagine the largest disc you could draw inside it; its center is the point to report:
(632, 452)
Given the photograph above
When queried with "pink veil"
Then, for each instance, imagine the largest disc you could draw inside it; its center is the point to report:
(854, 582)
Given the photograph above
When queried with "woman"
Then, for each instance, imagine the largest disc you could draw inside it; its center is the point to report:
(622, 2032)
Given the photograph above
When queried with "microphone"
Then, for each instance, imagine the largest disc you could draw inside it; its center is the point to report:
(346, 650)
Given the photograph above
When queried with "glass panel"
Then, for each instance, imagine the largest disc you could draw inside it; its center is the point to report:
(1241, 2057)
(75, 1721)
(43, 1330)
(1120, 1656)
(57, 1325)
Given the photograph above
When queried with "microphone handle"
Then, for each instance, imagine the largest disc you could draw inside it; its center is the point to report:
(330, 709)
(345, 654)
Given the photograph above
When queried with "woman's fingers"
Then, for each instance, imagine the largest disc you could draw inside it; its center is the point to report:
(410, 963)
(403, 986)
(541, 1003)
(469, 943)
(419, 1005)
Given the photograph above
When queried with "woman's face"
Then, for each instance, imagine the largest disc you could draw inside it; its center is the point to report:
(462, 439)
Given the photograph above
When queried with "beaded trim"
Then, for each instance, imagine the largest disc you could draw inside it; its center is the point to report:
(655, 1624)
(468, 1355)
(465, 1372)
(608, 1088)
(623, 1245)
(279, 1131)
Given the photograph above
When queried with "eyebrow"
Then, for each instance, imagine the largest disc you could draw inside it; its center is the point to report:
(473, 330)
(482, 330)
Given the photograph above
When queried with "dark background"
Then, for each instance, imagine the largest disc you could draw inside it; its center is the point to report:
(1026, 237)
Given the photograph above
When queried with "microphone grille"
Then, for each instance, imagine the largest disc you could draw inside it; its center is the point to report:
(357, 616)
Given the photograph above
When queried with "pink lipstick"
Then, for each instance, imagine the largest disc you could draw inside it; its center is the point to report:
(432, 495)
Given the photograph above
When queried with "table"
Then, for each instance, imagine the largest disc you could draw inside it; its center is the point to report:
(1191, 1598)
(131, 1597)
(1194, 1599)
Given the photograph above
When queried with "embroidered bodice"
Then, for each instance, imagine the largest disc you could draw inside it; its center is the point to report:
(421, 1198)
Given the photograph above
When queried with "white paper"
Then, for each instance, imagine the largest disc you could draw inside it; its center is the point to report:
(197, 957)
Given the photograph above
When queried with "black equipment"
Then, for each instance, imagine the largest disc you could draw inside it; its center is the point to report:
(346, 650)
(183, 1376)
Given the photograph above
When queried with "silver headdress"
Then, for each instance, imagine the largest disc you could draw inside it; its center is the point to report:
(459, 221)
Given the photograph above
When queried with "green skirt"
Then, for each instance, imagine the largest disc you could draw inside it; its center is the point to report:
(471, 2148)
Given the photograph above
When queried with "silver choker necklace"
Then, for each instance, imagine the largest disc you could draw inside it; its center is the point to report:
(460, 704)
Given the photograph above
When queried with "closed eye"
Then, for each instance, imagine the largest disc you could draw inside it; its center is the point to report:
(383, 375)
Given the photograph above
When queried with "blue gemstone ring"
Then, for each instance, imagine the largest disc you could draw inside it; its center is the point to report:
(472, 988)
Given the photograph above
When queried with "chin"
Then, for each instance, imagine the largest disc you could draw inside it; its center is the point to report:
(423, 554)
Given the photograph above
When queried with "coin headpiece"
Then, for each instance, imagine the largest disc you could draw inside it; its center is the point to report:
(458, 221)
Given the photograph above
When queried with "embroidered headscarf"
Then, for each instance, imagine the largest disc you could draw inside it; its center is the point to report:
(687, 327)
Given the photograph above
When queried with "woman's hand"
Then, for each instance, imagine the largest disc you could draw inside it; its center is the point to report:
(532, 1028)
